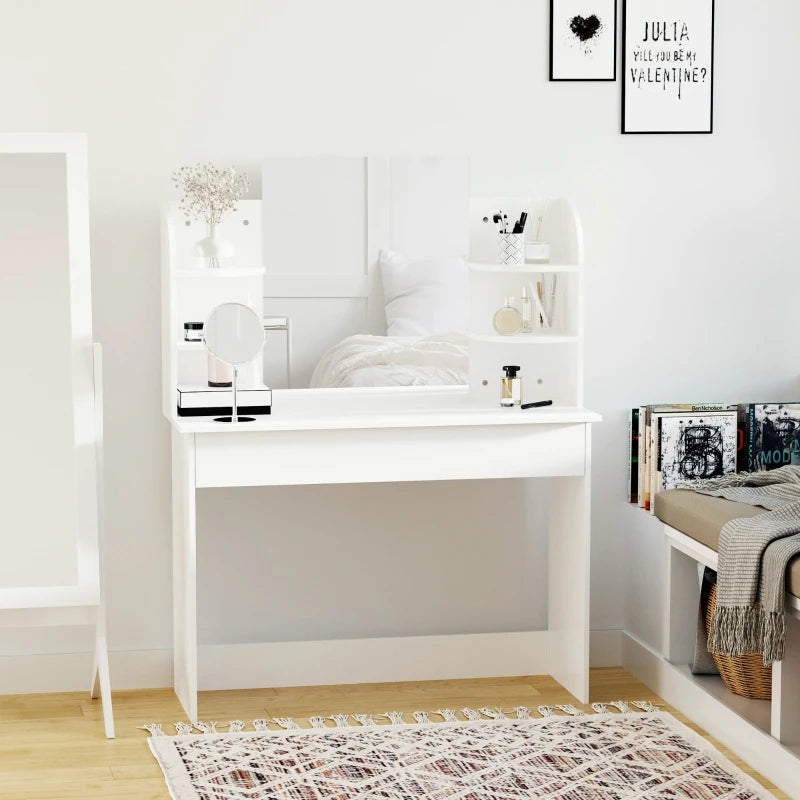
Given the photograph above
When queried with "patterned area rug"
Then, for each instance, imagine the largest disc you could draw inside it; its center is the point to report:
(487, 756)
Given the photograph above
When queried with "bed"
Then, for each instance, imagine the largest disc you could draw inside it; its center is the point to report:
(367, 360)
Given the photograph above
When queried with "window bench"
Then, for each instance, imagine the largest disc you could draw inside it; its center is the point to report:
(692, 526)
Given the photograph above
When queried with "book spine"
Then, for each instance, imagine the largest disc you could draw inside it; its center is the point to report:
(742, 425)
(647, 456)
(654, 455)
(751, 435)
(641, 443)
(634, 466)
(630, 454)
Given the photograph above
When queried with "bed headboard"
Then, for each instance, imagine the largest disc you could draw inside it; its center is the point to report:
(325, 219)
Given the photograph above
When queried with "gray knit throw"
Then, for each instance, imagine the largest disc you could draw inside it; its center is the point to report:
(753, 555)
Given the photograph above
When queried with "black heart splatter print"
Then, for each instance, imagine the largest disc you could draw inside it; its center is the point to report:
(585, 28)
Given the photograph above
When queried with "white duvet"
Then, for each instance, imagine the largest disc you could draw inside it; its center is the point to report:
(364, 360)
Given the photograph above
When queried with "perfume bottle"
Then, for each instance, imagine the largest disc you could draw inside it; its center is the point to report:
(527, 309)
(507, 319)
(510, 388)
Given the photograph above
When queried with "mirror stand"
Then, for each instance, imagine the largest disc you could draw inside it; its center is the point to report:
(235, 405)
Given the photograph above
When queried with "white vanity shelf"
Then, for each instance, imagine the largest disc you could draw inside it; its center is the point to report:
(369, 435)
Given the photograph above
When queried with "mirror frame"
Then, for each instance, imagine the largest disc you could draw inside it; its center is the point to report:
(87, 423)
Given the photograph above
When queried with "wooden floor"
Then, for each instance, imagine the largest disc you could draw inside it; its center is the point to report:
(52, 745)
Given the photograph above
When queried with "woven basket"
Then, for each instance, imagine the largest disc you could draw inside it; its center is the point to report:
(744, 675)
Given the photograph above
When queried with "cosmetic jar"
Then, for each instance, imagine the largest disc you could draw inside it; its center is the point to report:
(537, 252)
(219, 373)
(193, 331)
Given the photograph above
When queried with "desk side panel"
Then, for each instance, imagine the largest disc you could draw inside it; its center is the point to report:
(569, 565)
(184, 572)
(285, 458)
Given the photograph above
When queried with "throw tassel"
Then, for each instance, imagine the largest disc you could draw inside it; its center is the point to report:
(600, 708)
(183, 728)
(621, 706)
(261, 724)
(448, 714)
(341, 720)
(735, 630)
(395, 717)
(547, 711)
(235, 726)
(493, 713)
(471, 714)
(287, 723)
(317, 722)
(643, 705)
(364, 719)
(522, 712)
(421, 716)
(774, 638)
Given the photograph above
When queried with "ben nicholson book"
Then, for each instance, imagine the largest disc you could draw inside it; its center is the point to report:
(770, 436)
(645, 451)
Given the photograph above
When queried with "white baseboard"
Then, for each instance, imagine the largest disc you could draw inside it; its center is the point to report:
(308, 663)
(750, 742)
(408, 658)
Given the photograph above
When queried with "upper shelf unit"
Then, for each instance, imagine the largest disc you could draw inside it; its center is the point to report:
(551, 354)
(190, 290)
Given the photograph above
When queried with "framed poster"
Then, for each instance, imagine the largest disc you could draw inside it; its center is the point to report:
(583, 40)
(668, 66)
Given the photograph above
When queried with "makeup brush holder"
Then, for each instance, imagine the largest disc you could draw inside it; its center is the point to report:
(511, 249)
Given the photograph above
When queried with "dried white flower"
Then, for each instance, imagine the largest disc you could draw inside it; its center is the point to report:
(209, 192)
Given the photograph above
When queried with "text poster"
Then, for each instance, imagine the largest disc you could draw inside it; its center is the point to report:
(667, 66)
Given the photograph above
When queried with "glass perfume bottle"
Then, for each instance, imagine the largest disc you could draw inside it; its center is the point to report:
(527, 310)
(507, 319)
(510, 388)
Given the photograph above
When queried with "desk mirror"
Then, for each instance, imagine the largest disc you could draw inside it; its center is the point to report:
(361, 271)
(234, 334)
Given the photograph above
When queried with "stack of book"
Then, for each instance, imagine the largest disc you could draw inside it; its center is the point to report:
(672, 444)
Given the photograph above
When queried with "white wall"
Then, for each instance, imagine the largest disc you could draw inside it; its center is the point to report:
(703, 227)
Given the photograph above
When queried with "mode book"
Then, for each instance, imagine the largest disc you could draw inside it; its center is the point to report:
(771, 435)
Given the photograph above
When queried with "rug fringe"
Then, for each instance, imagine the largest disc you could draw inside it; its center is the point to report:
(396, 717)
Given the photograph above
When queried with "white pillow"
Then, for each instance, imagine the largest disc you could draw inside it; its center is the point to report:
(424, 297)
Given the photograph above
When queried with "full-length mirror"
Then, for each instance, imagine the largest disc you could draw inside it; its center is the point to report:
(47, 490)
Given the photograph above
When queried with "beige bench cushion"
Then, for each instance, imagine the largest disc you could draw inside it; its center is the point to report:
(701, 517)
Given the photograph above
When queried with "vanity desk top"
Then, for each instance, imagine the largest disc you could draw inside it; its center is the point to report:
(404, 407)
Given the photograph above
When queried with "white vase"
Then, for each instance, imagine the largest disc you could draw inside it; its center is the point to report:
(213, 248)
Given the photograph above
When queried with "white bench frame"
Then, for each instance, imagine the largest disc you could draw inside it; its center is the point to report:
(681, 601)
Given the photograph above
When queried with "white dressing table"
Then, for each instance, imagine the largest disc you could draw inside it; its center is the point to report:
(420, 207)
(433, 435)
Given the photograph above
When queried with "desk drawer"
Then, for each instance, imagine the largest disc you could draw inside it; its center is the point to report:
(285, 458)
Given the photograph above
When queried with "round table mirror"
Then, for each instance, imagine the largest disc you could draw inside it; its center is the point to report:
(234, 334)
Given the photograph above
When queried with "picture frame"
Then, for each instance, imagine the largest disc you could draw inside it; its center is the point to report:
(667, 66)
(583, 40)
